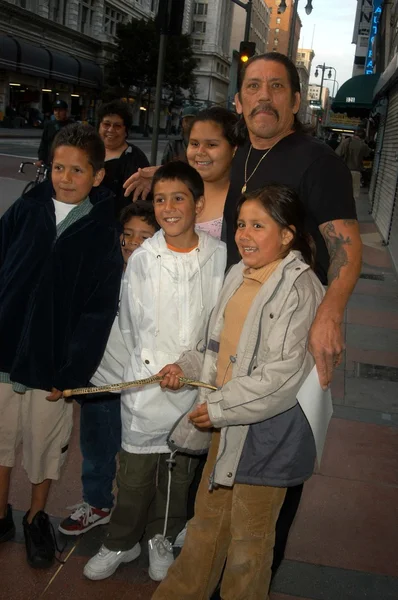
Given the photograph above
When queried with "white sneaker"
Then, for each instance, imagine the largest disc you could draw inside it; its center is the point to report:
(160, 557)
(180, 539)
(105, 562)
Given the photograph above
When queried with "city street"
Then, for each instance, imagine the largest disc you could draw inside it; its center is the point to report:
(15, 150)
(343, 542)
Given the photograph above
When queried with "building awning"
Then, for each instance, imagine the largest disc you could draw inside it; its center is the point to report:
(355, 97)
(8, 52)
(90, 74)
(33, 60)
(23, 57)
(64, 68)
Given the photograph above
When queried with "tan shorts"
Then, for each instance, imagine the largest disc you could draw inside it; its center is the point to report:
(43, 427)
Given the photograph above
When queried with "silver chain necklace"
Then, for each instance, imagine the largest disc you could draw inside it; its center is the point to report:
(247, 179)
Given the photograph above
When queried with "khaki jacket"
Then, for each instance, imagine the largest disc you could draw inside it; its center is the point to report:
(270, 366)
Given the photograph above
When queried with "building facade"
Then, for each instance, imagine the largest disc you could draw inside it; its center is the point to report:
(280, 24)
(362, 30)
(305, 58)
(53, 49)
(210, 25)
(314, 93)
(259, 26)
(383, 191)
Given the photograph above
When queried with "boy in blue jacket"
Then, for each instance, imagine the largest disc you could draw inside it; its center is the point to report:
(60, 272)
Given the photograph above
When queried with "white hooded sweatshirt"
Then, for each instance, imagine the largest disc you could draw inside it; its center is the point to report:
(167, 298)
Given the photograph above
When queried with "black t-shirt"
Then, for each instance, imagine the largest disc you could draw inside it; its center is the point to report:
(117, 170)
(312, 169)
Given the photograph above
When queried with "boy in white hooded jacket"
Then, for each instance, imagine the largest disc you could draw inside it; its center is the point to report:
(170, 288)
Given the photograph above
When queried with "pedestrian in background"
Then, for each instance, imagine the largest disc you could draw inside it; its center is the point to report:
(122, 159)
(353, 150)
(333, 141)
(51, 128)
(177, 149)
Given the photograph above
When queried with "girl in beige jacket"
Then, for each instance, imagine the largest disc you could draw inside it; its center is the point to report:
(261, 440)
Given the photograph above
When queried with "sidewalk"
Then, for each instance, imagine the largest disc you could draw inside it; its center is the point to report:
(8, 133)
(343, 545)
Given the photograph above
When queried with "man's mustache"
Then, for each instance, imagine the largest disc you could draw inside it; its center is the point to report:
(264, 108)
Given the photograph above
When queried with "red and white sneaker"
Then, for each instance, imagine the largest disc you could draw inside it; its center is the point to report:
(83, 518)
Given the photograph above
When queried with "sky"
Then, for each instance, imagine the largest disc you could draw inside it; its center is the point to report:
(334, 24)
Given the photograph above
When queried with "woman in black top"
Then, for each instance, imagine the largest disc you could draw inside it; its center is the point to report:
(121, 159)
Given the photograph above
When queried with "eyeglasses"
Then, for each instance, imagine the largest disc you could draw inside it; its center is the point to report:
(108, 125)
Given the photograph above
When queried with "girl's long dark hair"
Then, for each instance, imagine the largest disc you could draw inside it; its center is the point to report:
(284, 206)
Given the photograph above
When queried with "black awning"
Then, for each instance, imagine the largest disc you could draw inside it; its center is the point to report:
(90, 74)
(64, 68)
(8, 52)
(33, 60)
(23, 57)
(355, 97)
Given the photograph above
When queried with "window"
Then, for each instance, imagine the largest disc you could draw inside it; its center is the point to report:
(277, 30)
(54, 10)
(199, 26)
(278, 20)
(111, 19)
(86, 13)
(197, 43)
(276, 41)
(200, 8)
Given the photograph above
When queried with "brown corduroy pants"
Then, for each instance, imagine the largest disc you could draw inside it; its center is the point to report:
(232, 526)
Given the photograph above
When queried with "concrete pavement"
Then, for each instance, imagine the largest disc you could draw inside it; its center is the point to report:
(343, 545)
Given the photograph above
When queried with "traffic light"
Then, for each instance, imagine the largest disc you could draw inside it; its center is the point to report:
(246, 51)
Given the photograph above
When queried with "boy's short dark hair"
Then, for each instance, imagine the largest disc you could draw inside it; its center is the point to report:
(181, 171)
(119, 108)
(141, 208)
(85, 138)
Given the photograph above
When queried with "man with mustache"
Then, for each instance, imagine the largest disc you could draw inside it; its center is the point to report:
(277, 150)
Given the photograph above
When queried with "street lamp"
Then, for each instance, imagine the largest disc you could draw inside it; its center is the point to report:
(324, 68)
(282, 7)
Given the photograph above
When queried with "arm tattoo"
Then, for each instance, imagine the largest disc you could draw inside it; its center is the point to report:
(336, 244)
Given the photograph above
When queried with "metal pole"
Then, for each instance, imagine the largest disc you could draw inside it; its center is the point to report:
(292, 30)
(158, 98)
(322, 79)
(249, 7)
(319, 125)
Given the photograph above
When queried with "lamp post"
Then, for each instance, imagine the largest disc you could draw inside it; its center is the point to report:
(292, 30)
(338, 85)
(324, 68)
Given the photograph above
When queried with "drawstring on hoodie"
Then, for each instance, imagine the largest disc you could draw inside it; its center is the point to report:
(157, 323)
(170, 464)
(200, 281)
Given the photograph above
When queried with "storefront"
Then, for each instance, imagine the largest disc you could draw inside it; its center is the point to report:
(33, 77)
(384, 188)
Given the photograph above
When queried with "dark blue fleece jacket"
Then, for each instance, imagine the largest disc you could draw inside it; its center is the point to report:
(58, 296)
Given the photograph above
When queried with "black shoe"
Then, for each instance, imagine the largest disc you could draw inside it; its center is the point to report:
(7, 527)
(39, 541)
